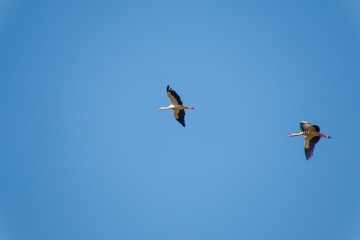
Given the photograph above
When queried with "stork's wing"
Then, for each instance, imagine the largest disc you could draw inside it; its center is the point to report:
(174, 97)
(308, 127)
(180, 116)
(309, 145)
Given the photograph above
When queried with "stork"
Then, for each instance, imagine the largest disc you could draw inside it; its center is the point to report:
(312, 136)
(176, 105)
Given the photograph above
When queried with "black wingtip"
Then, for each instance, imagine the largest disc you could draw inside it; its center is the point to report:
(181, 117)
(168, 88)
(181, 121)
(308, 154)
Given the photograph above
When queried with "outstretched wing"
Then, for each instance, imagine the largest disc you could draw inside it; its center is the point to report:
(174, 97)
(308, 127)
(309, 145)
(180, 116)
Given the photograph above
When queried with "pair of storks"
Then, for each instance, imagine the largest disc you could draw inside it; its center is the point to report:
(312, 132)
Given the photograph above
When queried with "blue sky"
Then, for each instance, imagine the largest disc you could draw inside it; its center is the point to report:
(83, 155)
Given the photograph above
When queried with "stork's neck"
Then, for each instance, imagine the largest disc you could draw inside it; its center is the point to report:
(315, 134)
(323, 135)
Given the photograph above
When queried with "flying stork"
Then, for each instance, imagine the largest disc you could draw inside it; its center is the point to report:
(176, 105)
(312, 136)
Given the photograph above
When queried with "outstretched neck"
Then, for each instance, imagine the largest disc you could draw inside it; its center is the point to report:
(323, 135)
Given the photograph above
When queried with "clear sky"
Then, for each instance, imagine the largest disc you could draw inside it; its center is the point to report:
(83, 155)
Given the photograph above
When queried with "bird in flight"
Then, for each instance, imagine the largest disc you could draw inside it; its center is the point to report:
(312, 136)
(176, 105)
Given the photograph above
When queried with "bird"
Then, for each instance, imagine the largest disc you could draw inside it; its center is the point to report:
(312, 136)
(176, 105)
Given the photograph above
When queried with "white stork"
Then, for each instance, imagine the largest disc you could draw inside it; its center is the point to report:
(312, 136)
(176, 105)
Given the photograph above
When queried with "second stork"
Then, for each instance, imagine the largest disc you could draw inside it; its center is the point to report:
(312, 136)
(176, 105)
